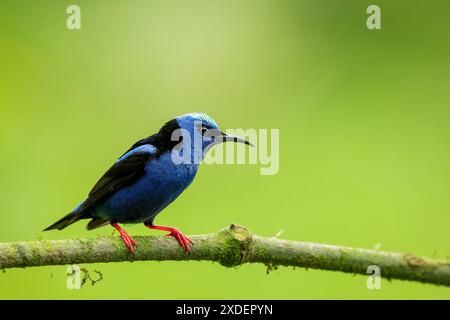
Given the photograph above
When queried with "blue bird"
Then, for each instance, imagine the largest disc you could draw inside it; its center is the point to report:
(149, 176)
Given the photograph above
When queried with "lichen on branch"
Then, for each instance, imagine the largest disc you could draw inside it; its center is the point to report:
(230, 247)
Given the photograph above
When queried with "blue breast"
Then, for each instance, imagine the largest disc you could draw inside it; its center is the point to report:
(141, 201)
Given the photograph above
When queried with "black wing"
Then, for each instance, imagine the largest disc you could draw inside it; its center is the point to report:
(122, 173)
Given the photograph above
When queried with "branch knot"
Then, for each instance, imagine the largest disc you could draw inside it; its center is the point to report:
(236, 245)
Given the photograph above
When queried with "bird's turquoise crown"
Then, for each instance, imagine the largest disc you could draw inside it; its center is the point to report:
(187, 120)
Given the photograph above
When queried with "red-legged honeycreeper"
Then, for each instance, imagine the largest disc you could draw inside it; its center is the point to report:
(149, 176)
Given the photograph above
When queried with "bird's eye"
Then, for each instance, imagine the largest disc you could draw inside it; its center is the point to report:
(204, 129)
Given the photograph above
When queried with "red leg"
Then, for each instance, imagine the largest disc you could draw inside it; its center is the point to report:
(173, 232)
(129, 241)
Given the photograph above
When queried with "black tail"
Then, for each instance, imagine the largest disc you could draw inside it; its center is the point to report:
(72, 217)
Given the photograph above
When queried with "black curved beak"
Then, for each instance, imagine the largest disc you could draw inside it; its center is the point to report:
(229, 138)
(219, 137)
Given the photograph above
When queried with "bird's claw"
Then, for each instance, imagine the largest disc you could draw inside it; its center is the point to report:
(173, 232)
(129, 241)
(181, 238)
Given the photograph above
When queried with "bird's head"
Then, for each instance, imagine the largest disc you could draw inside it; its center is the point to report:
(200, 132)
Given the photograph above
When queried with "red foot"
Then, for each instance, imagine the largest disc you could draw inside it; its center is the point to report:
(129, 241)
(173, 232)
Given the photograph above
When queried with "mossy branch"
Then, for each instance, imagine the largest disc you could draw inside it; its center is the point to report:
(231, 247)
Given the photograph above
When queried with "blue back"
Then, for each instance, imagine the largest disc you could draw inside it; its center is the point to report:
(141, 201)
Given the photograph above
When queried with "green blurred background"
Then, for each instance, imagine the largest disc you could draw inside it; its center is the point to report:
(364, 123)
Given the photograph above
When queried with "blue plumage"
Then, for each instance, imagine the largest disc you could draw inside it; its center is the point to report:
(141, 201)
(149, 176)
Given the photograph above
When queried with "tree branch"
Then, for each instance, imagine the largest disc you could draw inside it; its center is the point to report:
(230, 247)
